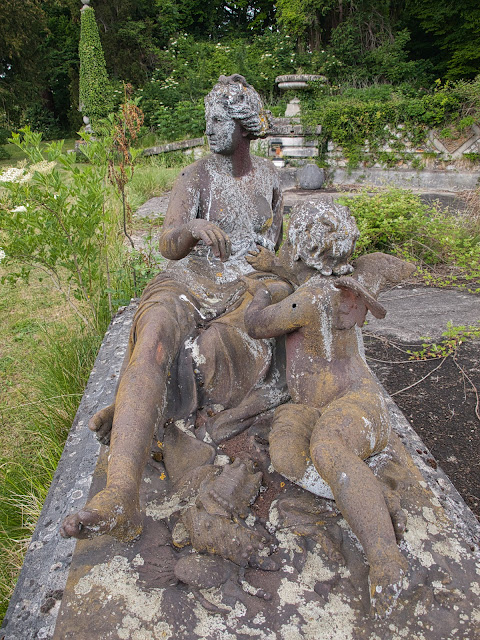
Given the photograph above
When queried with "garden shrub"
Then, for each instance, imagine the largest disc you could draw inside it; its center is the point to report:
(42, 120)
(383, 114)
(397, 221)
(95, 90)
(187, 70)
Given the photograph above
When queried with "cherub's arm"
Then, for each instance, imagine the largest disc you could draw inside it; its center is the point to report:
(262, 259)
(182, 229)
(266, 320)
(375, 271)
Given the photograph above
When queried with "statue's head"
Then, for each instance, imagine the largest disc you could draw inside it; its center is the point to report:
(323, 235)
(234, 99)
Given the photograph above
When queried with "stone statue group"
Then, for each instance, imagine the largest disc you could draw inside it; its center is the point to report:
(240, 327)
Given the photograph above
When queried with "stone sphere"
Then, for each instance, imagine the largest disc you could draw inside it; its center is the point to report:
(310, 177)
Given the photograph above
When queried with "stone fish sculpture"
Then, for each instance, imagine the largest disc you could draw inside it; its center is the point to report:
(338, 416)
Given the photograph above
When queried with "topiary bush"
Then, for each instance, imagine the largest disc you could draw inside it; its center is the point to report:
(96, 99)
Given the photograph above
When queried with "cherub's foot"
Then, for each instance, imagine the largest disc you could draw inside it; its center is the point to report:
(111, 511)
(102, 422)
(385, 583)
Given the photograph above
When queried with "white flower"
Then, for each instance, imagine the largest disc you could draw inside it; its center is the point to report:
(43, 167)
(2, 254)
(20, 209)
(12, 174)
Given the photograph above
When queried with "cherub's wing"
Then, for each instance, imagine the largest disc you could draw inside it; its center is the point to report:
(355, 301)
(376, 271)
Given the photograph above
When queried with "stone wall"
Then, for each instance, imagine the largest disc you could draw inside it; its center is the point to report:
(447, 154)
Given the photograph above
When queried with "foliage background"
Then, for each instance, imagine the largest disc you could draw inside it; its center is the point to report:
(171, 51)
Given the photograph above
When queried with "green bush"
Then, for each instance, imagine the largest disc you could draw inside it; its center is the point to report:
(187, 70)
(40, 119)
(383, 113)
(396, 221)
(96, 99)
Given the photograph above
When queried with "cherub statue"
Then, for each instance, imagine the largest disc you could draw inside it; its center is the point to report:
(338, 416)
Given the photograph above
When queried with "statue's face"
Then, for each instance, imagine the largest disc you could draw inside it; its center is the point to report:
(224, 134)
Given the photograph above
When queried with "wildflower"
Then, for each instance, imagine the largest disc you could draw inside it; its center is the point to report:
(20, 209)
(2, 254)
(43, 167)
(12, 174)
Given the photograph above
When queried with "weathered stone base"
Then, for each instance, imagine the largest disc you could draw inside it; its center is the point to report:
(132, 591)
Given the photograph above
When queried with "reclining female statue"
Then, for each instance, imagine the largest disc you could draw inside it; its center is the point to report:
(222, 207)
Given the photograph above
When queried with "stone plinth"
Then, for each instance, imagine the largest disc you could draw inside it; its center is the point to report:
(120, 591)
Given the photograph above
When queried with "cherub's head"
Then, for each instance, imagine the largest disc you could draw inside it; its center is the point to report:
(323, 235)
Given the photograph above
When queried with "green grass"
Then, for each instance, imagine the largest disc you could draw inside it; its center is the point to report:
(45, 360)
(150, 179)
(16, 155)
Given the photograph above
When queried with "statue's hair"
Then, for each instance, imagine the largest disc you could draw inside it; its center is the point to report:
(242, 103)
(323, 234)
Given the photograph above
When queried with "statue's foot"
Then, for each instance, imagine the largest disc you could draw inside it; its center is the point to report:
(227, 424)
(385, 582)
(111, 511)
(101, 423)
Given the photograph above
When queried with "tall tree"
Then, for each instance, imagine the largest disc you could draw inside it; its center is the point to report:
(21, 26)
(449, 32)
(95, 93)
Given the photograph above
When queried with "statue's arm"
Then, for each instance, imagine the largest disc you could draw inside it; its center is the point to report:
(266, 320)
(277, 208)
(264, 260)
(183, 227)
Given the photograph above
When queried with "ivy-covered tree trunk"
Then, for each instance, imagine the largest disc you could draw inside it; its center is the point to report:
(95, 90)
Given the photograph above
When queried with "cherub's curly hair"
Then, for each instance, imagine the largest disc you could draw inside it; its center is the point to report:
(323, 234)
(242, 103)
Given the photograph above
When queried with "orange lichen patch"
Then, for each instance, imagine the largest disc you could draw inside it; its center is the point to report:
(162, 476)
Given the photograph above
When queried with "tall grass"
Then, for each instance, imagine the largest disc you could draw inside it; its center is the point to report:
(155, 175)
(58, 374)
(150, 180)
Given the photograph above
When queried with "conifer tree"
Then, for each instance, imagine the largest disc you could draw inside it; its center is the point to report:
(95, 89)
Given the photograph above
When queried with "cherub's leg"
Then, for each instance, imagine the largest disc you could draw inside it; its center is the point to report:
(139, 405)
(289, 439)
(340, 441)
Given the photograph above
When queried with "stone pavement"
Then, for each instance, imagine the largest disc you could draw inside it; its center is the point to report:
(415, 313)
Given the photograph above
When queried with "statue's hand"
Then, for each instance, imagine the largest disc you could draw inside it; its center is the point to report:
(212, 236)
(101, 423)
(252, 286)
(261, 259)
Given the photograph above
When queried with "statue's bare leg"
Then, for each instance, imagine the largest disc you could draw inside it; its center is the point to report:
(289, 439)
(139, 404)
(102, 421)
(338, 446)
